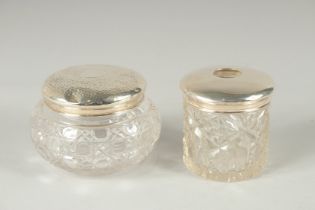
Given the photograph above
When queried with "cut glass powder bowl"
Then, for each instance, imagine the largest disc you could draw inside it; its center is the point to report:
(95, 119)
(226, 122)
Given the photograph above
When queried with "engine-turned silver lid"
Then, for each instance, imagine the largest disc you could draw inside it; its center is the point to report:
(93, 90)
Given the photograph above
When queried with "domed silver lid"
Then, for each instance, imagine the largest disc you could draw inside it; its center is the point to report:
(93, 90)
(227, 89)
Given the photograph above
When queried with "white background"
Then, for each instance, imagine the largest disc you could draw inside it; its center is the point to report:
(163, 40)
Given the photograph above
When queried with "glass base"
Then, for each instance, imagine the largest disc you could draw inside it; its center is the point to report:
(99, 144)
(226, 146)
(231, 176)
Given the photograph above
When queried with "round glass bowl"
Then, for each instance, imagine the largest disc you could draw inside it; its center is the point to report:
(95, 119)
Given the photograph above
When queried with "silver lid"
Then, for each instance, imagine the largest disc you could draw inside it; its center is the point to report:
(93, 90)
(227, 89)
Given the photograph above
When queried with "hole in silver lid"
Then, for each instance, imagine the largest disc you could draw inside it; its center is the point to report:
(227, 73)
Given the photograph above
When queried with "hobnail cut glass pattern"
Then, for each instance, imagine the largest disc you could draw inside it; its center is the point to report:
(99, 144)
(225, 146)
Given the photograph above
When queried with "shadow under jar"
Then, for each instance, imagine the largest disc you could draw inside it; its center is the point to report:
(226, 122)
(95, 119)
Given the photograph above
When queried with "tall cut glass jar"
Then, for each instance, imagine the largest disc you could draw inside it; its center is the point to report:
(95, 119)
(226, 126)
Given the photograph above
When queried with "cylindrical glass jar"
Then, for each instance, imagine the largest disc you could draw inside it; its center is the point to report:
(226, 122)
(95, 119)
